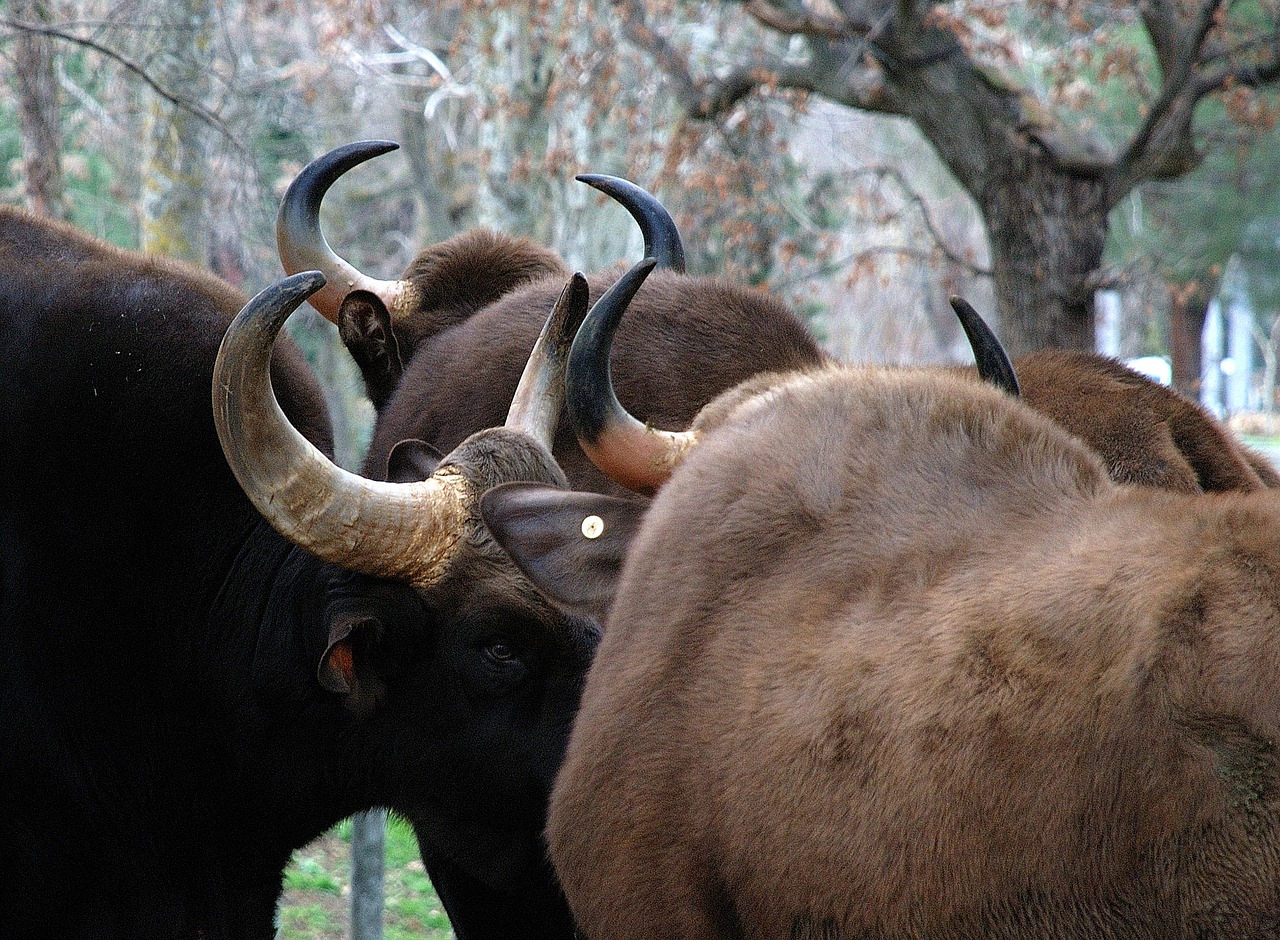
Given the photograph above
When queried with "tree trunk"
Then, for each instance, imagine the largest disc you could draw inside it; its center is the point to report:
(448, 203)
(1047, 229)
(39, 119)
(1188, 308)
(175, 205)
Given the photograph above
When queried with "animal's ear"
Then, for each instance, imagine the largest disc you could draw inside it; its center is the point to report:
(411, 461)
(346, 667)
(365, 327)
(571, 545)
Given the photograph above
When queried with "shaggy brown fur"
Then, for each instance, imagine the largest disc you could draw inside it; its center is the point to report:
(456, 278)
(900, 660)
(684, 340)
(446, 284)
(482, 297)
(1145, 432)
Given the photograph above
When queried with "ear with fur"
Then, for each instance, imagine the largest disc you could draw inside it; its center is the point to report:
(570, 544)
(412, 460)
(344, 668)
(365, 327)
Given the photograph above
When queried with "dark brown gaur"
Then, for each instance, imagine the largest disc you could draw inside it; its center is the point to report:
(447, 364)
(387, 324)
(401, 531)
(302, 244)
(1145, 432)
(188, 696)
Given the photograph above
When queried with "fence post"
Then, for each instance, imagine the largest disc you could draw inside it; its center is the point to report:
(368, 861)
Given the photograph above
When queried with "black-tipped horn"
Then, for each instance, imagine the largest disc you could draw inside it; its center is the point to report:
(626, 449)
(993, 362)
(661, 237)
(301, 241)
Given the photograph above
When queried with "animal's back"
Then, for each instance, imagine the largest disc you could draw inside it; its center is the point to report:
(683, 341)
(107, 432)
(1146, 433)
(866, 677)
(119, 521)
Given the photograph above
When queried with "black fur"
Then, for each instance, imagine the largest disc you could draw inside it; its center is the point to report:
(165, 742)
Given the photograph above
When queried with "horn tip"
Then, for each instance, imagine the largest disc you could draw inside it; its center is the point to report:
(577, 292)
(604, 182)
(314, 280)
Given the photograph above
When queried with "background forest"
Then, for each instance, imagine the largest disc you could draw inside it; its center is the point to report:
(862, 158)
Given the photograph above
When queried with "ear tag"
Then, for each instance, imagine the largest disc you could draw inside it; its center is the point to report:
(592, 527)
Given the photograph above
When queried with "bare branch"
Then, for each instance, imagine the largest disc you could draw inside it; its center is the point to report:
(1164, 145)
(707, 99)
(1249, 74)
(901, 252)
(913, 198)
(637, 30)
(831, 71)
(185, 104)
(797, 19)
(905, 251)
(418, 51)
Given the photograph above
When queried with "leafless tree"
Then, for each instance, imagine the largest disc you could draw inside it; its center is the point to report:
(1043, 180)
(38, 112)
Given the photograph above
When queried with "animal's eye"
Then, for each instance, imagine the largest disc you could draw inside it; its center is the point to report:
(500, 652)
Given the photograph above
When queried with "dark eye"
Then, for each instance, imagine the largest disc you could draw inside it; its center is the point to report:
(500, 653)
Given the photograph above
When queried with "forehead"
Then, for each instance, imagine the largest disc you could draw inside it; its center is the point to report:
(492, 593)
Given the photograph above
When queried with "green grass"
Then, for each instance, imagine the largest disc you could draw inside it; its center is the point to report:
(309, 874)
(317, 890)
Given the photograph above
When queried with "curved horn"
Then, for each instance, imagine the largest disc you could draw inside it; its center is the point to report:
(403, 531)
(661, 237)
(630, 452)
(993, 362)
(302, 244)
(535, 409)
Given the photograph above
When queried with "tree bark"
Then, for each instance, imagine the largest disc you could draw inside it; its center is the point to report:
(1047, 229)
(1042, 191)
(39, 118)
(175, 204)
(1188, 309)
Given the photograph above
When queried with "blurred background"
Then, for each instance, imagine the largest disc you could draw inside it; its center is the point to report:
(1088, 174)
